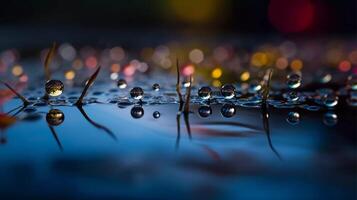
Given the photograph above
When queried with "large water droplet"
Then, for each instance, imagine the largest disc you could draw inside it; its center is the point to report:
(205, 111)
(136, 93)
(122, 83)
(329, 100)
(330, 119)
(228, 110)
(228, 91)
(156, 114)
(293, 80)
(293, 118)
(54, 88)
(54, 117)
(205, 92)
(137, 112)
(156, 87)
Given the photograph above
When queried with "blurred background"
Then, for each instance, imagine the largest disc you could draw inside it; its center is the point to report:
(238, 36)
(293, 18)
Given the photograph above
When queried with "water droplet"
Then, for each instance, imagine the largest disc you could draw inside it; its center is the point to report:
(254, 86)
(352, 81)
(55, 117)
(156, 87)
(205, 92)
(293, 80)
(292, 96)
(137, 112)
(228, 110)
(54, 88)
(204, 111)
(330, 119)
(186, 84)
(228, 91)
(293, 118)
(122, 84)
(136, 93)
(329, 100)
(156, 114)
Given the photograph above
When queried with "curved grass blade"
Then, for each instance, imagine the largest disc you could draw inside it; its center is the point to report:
(23, 99)
(267, 78)
(86, 87)
(188, 97)
(178, 86)
(48, 59)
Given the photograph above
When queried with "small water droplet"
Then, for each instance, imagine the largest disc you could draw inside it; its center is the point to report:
(292, 96)
(137, 112)
(204, 111)
(228, 110)
(205, 92)
(122, 84)
(293, 80)
(156, 87)
(136, 93)
(156, 114)
(186, 84)
(329, 100)
(352, 81)
(330, 119)
(228, 91)
(293, 118)
(54, 88)
(55, 117)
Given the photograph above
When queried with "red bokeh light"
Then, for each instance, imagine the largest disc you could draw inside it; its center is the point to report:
(290, 16)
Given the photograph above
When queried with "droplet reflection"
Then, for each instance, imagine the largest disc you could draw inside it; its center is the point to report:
(55, 117)
(293, 118)
(228, 110)
(137, 112)
(205, 111)
(330, 119)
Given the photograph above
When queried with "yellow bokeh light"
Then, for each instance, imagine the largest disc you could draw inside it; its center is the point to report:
(216, 83)
(196, 11)
(259, 59)
(245, 76)
(70, 75)
(216, 73)
(17, 70)
(296, 65)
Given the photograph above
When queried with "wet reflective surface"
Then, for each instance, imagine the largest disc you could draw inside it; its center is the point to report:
(124, 150)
